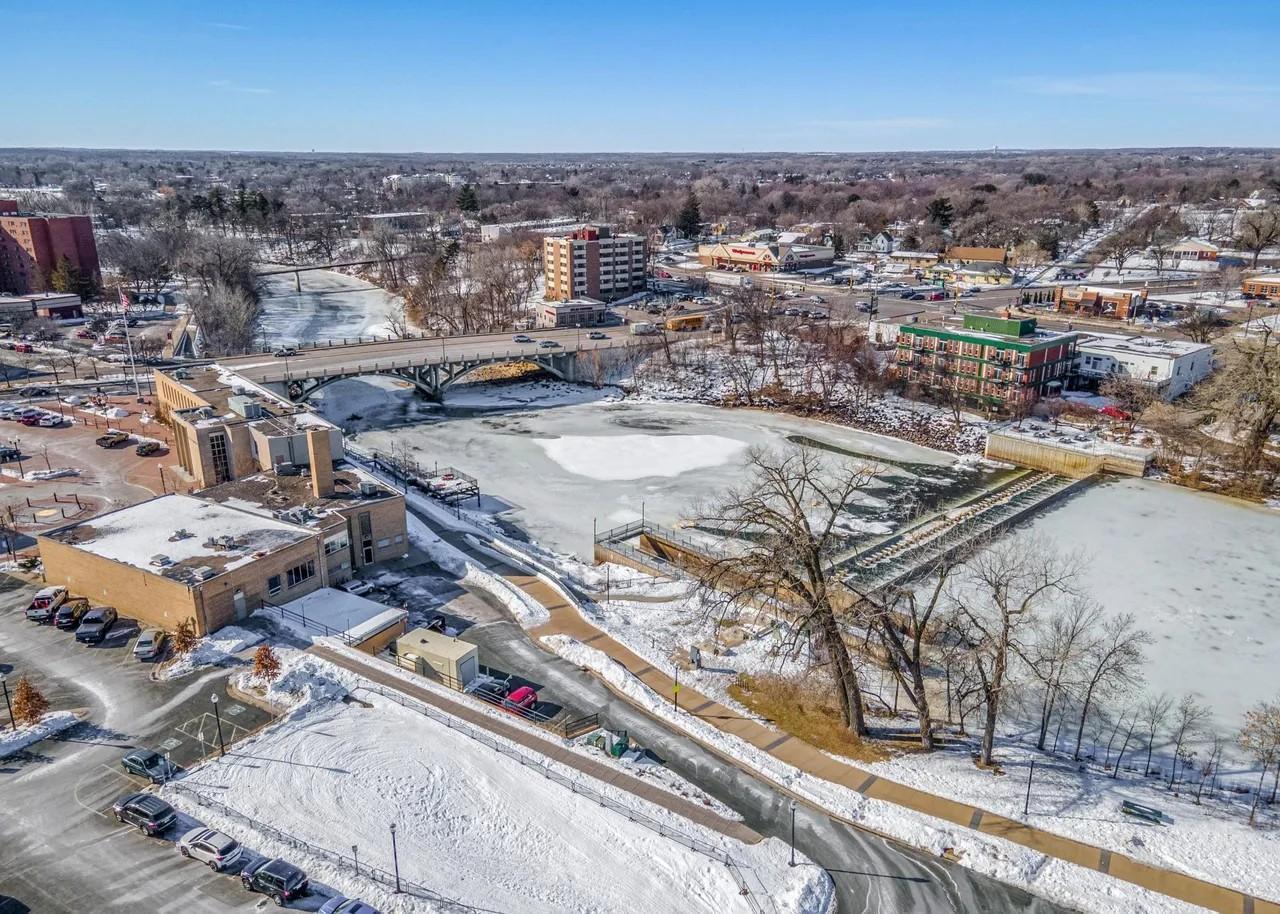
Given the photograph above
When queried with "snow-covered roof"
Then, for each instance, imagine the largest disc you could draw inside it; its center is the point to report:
(1149, 346)
(175, 535)
(344, 612)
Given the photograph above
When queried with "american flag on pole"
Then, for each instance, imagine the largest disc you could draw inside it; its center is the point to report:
(124, 301)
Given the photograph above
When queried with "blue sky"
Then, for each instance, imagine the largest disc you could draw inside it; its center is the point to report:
(491, 75)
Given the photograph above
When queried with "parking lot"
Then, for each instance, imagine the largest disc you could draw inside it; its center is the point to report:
(60, 848)
(102, 477)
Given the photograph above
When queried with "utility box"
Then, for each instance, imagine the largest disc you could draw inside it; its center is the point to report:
(430, 653)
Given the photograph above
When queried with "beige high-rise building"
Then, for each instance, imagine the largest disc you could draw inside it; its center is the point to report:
(592, 262)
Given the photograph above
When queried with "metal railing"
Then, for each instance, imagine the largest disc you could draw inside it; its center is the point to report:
(697, 845)
(360, 868)
(314, 625)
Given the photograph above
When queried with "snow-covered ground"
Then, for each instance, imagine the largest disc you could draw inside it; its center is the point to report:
(331, 306)
(12, 741)
(217, 649)
(473, 823)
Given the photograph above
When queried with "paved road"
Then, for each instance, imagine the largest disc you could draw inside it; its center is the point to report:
(870, 874)
(60, 849)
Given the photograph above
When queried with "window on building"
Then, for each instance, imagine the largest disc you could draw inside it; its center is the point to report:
(273, 585)
(335, 544)
(221, 463)
(299, 573)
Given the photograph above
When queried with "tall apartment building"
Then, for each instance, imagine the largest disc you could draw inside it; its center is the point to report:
(592, 262)
(31, 246)
(991, 361)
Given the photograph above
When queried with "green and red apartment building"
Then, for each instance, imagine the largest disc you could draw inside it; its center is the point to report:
(1002, 363)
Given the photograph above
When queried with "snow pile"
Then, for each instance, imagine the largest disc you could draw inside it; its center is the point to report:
(305, 681)
(996, 857)
(12, 741)
(217, 649)
(471, 820)
(625, 457)
(57, 473)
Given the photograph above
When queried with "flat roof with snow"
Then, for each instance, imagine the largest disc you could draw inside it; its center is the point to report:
(180, 537)
(1150, 346)
(343, 612)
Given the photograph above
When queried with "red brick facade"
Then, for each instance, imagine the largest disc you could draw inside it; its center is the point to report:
(32, 246)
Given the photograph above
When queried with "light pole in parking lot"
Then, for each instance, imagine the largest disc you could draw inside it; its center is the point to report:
(4, 681)
(395, 857)
(222, 747)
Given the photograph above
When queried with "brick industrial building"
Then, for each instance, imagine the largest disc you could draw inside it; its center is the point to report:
(996, 362)
(594, 263)
(32, 245)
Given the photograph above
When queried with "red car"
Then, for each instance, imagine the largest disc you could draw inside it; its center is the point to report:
(24, 347)
(520, 700)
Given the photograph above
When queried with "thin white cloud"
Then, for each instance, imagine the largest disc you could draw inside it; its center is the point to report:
(228, 26)
(235, 87)
(1167, 85)
(883, 124)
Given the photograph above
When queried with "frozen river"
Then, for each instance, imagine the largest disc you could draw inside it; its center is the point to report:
(1198, 571)
(330, 306)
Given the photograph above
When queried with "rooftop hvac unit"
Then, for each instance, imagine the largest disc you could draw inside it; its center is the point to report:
(245, 406)
(203, 573)
(205, 412)
(369, 489)
(227, 542)
(160, 560)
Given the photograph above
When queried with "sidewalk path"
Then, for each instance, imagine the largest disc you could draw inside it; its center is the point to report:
(613, 775)
(565, 620)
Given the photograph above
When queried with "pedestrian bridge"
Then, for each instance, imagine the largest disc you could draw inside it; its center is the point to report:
(431, 364)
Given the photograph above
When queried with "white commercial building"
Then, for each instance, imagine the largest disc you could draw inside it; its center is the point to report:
(496, 230)
(1171, 366)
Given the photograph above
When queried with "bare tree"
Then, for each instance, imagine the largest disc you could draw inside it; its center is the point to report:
(1200, 326)
(1259, 229)
(1006, 588)
(398, 318)
(1112, 662)
(1057, 653)
(1260, 737)
(1188, 717)
(1154, 712)
(785, 515)
(1246, 392)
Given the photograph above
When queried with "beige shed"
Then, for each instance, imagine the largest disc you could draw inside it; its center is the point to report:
(430, 653)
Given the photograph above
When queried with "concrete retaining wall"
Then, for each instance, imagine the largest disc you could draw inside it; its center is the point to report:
(1053, 457)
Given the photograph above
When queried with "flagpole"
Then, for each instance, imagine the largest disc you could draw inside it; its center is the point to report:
(128, 342)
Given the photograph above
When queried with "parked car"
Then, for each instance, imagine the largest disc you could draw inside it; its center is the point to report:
(282, 881)
(51, 420)
(916, 296)
(148, 812)
(907, 294)
(817, 299)
(214, 848)
(356, 587)
(96, 623)
(151, 644)
(597, 335)
(523, 698)
(548, 344)
(867, 308)
(111, 439)
(8, 453)
(285, 351)
(149, 764)
(340, 905)
(45, 603)
(936, 296)
(70, 613)
(23, 347)
(522, 338)
(147, 448)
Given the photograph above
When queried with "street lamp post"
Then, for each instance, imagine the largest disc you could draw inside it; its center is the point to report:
(355, 857)
(222, 747)
(793, 832)
(395, 857)
(4, 681)
(1026, 805)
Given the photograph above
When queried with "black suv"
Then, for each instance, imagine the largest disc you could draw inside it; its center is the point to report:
(283, 881)
(95, 624)
(151, 814)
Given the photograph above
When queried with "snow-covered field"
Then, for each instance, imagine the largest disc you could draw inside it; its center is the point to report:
(472, 823)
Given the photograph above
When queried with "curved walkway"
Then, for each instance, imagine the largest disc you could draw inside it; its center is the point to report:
(566, 620)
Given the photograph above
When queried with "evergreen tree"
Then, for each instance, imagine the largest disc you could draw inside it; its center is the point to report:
(1095, 216)
(468, 202)
(68, 278)
(689, 222)
(837, 244)
(940, 211)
